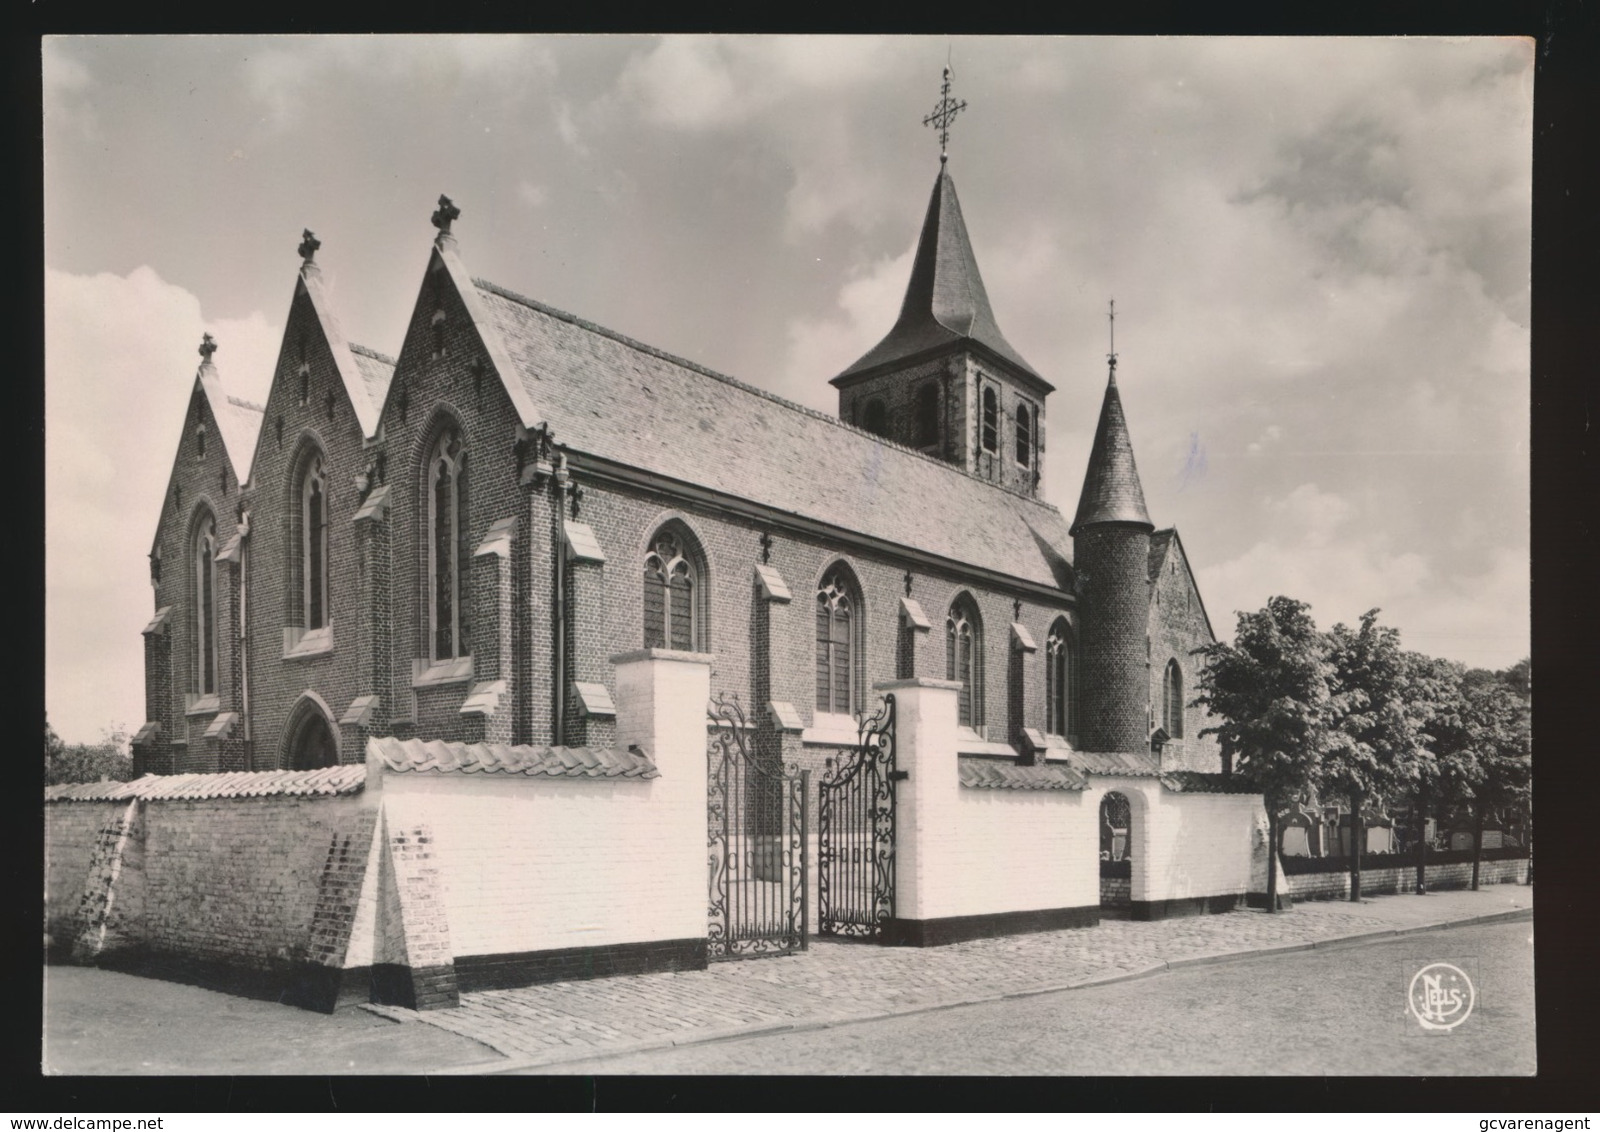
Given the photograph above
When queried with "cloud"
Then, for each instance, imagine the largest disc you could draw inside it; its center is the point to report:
(119, 365)
(284, 75)
(531, 194)
(1323, 552)
(864, 310)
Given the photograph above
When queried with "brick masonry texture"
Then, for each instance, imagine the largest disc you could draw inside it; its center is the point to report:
(1385, 881)
(1113, 559)
(1177, 627)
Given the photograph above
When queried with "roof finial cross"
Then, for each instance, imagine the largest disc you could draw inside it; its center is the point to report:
(208, 346)
(309, 245)
(1112, 356)
(943, 114)
(444, 214)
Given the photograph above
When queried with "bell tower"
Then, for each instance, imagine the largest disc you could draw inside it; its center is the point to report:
(944, 380)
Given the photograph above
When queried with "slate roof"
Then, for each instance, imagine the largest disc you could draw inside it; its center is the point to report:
(612, 397)
(945, 301)
(238, 420)
(1128, 764)
(365, 393)
(376, 371)
(439, 757)
(1199, 782)
(327, 781)
(996, 774)
(1111, 490)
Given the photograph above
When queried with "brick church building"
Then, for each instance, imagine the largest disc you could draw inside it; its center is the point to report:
(451, 543)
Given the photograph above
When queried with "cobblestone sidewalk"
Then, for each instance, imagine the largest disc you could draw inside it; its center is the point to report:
(837, 982)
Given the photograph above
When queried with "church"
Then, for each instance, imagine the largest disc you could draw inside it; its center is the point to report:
(450, 543)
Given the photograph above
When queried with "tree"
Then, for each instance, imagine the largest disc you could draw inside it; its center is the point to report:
(1437, 777)
(1270, 690)
(1497, 767)
(86, 762)
(1376, 731)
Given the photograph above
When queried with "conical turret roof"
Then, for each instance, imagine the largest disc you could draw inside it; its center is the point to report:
(1111, 491)
(945, 301)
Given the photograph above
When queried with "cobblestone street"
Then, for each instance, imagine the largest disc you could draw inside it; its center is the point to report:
(836, 982)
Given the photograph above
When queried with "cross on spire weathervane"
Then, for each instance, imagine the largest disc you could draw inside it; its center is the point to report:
(1112, 356)
(943, 114)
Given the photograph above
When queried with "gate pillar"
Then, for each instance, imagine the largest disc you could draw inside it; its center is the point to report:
(927, 859)
(661, 697)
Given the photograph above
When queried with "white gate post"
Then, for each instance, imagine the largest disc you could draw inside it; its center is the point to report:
(925, 800)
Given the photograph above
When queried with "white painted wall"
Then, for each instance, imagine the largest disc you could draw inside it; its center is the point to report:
(533, 864)
(1184, 845)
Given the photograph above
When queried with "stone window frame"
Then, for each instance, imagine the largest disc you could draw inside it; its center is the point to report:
(842, 580)
(300, 637)
(687, 560)
(205, 643)
(1027, 424)
(446, 456)
(1061, 680)
(964, 611)
(989, 419)
(1172, 699)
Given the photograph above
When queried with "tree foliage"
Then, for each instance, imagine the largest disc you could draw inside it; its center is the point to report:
(86, 762)
(1269, 689)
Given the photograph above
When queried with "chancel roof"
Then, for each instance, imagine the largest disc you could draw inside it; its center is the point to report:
(623, 401)
(945, 301)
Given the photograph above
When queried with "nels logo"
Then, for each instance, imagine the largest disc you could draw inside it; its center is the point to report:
(1440, 996)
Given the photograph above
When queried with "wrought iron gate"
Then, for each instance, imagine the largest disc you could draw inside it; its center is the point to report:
(756, 817)
(855, 832)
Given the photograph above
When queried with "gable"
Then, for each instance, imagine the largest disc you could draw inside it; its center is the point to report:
(623, 401)
(1169, 573)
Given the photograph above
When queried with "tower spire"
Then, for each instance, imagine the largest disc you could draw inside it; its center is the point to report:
(1111, 489)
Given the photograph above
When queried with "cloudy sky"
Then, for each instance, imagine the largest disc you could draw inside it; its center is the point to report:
(1319, 251)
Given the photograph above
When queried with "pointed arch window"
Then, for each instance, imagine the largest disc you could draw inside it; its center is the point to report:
(964, 659)
(205, 607)
(448, 556)
(876, 418)
(1024, 436)
(838, 649)
(1172, 700)
(672, 579)
(314, 544)
(991, 420)
(1061, 681)
(928, 415)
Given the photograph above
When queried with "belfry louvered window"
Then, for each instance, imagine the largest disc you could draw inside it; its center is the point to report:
(964, 659)
(448, 556)
(838, 621)
(670, 594)
(928, 415)
(991, 421)
(205, 607)
(1024, 436)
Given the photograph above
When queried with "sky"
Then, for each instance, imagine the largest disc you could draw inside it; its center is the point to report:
(1319, 251)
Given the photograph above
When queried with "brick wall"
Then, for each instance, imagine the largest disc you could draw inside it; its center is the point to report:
(1177, 626)
(1113, 560)
(1385, 881)
(961, 379)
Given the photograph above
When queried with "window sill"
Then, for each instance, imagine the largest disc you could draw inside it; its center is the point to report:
(298, 643)
(975, 746)
(433, 673)
(202, 705)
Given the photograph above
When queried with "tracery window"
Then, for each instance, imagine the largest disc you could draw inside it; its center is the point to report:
(1172, 700)
(205, 607)
(1024, 436)
(671, 593)
(448, 557)
(991, 421)
(928, 415)
(838, 659)
(314, 544)
(1060, 681)
(964, 659)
